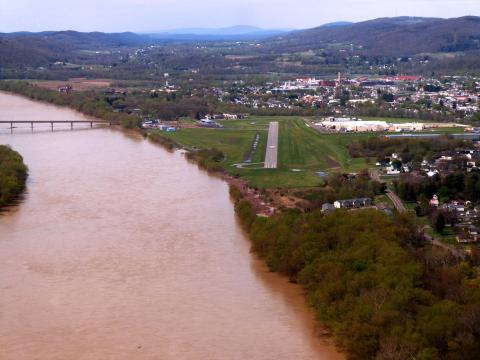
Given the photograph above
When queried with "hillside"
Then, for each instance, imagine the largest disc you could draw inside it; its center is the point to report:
(26, 52)
(335, 48)
(402, 36)
(39, 49)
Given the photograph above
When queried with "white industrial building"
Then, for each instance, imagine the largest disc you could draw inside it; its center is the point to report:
(348, 125)
(407, 127)
(358, 125)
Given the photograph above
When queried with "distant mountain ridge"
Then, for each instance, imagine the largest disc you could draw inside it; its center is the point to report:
(383, 37)
(231, 30)
(239, 32)
(79, 40)
(337, 24)
(400, 36)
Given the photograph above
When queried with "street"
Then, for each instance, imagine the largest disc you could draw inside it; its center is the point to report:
(397, 202)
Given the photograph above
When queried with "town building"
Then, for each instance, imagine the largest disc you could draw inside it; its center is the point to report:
(353, 203)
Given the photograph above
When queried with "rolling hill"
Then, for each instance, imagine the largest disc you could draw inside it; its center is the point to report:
(401, 36)
(39, 49)
(289, 51)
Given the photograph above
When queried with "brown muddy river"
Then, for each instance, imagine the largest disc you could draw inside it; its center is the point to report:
(122, 250)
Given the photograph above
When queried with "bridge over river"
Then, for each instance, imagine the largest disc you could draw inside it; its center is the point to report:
(52, 123)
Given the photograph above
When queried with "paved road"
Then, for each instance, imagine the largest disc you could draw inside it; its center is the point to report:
(271, 155)
(397, 202)
(451, 249)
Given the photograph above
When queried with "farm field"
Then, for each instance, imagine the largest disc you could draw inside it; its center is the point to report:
(78, 84)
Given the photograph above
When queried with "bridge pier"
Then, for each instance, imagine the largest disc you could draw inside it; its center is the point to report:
(52, 126)
(31, 125)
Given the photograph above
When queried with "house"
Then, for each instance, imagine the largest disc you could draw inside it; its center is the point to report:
(208, 123)
(432, 173)
(328, 208)
(150, 123)
(468, 234)
(230, 116)
(392, 171)
(353, 203)
(458, 207)
(434, 202)
(393, 168)
(67, 89)
(425, 166)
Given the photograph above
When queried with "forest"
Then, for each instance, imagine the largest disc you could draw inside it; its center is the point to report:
(454, 186)
(383, 292)
(13, 175)
(340, 186)
(408, 149)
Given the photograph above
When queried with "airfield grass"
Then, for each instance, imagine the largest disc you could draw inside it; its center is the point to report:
(233, 143)
(302, 150)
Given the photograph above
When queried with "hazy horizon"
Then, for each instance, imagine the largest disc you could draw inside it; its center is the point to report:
(165, 15)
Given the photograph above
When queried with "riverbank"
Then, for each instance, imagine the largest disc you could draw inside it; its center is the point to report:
(373, 281)
(207, 159)
(173, 279)
(370, 277)
(13, 176)
(84, 103)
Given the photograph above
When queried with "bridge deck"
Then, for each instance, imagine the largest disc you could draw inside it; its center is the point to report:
(55, 121)
(52, 123)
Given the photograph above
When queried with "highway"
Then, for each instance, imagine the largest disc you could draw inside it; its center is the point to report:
(271, 156)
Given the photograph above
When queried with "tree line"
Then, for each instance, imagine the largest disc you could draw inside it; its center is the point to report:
(374, 282)
(13, 175)
(408, 149)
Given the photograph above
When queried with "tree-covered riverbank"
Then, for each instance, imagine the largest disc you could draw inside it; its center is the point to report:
(13, 175)
(373, 281)
(88, 103)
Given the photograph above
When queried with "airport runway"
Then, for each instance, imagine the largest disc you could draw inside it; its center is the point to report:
(271, 155)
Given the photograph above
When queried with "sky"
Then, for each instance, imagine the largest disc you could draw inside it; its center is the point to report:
(157, 15)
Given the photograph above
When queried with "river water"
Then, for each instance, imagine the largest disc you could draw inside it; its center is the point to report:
(122, 250)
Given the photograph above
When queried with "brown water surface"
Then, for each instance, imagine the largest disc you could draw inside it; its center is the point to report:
(121, 250)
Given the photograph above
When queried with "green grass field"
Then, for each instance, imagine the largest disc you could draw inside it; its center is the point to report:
(302, 150)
